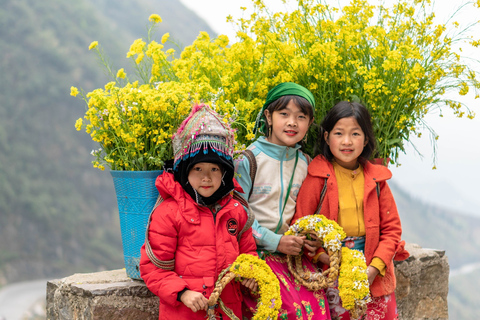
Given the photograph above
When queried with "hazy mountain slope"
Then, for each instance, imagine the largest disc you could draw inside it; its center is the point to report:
(58, 214)
(433, 227)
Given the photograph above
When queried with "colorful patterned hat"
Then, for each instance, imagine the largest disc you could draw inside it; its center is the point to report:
(201, 130)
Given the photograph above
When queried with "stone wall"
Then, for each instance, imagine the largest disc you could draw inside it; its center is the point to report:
(422, 288)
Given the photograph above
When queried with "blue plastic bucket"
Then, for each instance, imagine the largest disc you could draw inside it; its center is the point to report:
(136, 197)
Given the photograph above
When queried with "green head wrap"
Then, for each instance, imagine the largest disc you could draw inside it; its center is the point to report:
(282, 89)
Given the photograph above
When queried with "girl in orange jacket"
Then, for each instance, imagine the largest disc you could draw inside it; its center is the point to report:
(357, 196)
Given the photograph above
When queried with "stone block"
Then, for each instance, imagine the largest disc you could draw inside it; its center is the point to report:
(422, 284)
(422, 289)
(105, 295)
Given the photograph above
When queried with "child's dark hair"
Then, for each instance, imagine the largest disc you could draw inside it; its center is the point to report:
(282, 102)
(345, 109)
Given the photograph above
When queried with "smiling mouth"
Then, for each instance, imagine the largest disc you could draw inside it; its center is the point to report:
(291, 133)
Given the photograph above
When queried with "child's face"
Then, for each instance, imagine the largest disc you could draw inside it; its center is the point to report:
(289, 125)
(205, 177)
(346, 142)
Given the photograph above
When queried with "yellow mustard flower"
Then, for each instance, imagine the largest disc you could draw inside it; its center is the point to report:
(121, 73)
(73, 91)
(93, 45)
(165, 37)
(155, 18)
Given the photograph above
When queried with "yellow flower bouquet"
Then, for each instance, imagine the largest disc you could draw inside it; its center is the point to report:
(393, 59)
(133, 120)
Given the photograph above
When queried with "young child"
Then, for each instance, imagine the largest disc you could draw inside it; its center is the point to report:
(198, 230)
(358, 198)
(271, 193)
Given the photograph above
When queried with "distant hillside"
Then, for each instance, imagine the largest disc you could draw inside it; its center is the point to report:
(58, 214)
(433, 227)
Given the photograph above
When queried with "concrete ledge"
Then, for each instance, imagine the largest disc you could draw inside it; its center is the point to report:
(422, 289)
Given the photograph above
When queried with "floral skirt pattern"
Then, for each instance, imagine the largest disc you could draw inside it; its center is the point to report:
(298, 303)
(384, 307)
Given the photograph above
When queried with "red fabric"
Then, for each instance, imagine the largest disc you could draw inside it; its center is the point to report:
(201, 246)
(382, 222)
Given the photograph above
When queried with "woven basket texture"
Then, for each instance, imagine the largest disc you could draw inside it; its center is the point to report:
(136, 196)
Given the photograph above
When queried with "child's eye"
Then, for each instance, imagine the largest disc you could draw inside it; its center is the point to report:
(283, 113)
(215, 169)
(302, 117)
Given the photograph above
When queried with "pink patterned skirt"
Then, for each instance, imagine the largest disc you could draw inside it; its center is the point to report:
(380, 308)
(297, 302)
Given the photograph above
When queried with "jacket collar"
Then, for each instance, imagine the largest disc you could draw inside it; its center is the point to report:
(321, 167)
(276, 151)
(190, 210)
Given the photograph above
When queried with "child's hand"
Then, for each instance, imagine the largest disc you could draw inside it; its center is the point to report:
(291, 245)
(250, 284)
(194, 300)
(312, 246)
(324, 258)
(371, 273)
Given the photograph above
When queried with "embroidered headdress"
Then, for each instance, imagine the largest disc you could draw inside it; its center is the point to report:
(203, 129)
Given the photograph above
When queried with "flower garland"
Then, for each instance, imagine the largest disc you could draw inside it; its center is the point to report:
(251, 267)
(353, 286)
(352, 278)
(325, 229)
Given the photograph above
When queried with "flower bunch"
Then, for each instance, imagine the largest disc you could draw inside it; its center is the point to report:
(394, 60)
(133, 120)
(353, 284)
(270, 302)
(326, 230)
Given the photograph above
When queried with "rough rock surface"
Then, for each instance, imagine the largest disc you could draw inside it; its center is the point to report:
(104, 295)
(422, 289)
(422, 284)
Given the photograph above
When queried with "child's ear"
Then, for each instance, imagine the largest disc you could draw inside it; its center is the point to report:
(268, 116)
(325, 136)
(366, 142)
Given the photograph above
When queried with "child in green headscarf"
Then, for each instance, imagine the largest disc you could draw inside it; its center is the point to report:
(272, 191)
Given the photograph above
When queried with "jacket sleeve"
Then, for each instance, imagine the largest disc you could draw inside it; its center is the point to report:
(390, 225)
(308, 199)
(162, 237)
(265, 238)
(246, 243)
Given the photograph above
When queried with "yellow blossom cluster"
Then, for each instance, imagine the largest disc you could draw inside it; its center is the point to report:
(353, 286)
(393, 59)
(252, 267)
(326, 230)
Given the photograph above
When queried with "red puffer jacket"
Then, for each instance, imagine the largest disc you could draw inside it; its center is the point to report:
(202, 245)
